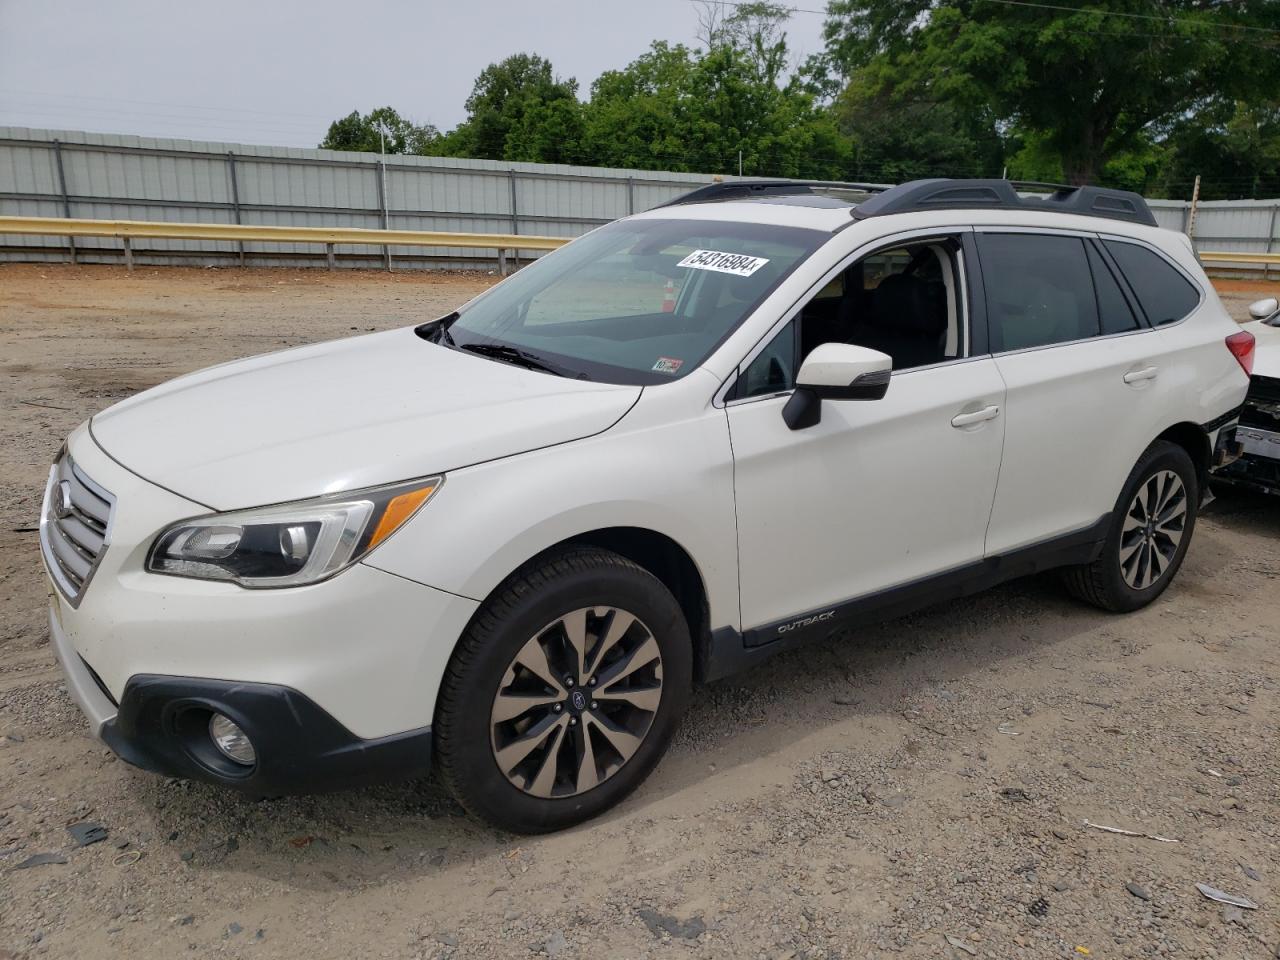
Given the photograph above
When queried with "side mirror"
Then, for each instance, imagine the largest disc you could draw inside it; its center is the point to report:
(1262, 309)
(836, 371)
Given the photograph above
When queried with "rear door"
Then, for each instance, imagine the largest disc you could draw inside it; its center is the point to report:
(1083, 371)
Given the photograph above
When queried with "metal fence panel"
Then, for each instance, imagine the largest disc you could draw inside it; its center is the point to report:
(112, 176)
(1170, 214)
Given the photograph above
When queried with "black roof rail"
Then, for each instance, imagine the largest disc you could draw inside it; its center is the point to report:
(942, 194)
(753, 189)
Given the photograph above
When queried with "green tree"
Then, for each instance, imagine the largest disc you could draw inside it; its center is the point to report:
(900, 134)
(509, 105)
(756, 30)
(679, 109)
(1086, 84)
(358, 131)
(630, 118)
(1138, 167)
(547, 132)
(1234, 146)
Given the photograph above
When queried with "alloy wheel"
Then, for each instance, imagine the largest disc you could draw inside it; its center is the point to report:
(1153, 528)
(576, 702)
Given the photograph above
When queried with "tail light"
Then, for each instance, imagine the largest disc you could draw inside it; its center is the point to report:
(1241, 346)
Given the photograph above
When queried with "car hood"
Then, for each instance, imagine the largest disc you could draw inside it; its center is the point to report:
(343, 415)
(1266, 357)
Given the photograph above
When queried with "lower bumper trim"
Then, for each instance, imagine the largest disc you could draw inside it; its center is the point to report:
(163, 723)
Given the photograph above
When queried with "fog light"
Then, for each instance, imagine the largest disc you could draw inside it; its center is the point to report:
(231, 740)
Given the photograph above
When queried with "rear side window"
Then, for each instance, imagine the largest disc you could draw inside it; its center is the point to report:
(1165, 294)
(1039, 290)
(1113, 309)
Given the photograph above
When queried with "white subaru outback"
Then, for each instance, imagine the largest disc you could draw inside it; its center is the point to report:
(510, 541)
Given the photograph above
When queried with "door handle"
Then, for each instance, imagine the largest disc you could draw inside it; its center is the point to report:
(1137, 376)
(978, 416)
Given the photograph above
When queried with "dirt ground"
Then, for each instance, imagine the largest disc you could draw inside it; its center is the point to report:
(928, 779)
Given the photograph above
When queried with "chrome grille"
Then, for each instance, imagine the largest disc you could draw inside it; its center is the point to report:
(75, 523)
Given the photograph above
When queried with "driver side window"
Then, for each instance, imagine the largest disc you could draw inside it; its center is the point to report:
(904, 301)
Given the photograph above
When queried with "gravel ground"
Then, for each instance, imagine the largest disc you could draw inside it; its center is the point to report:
(922, 789)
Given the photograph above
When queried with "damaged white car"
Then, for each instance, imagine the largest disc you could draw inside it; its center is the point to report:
(1258, 436)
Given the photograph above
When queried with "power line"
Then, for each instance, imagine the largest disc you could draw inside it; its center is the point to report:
(1173, 21)
(1237, 40)
(1136, 16)
(733, 3)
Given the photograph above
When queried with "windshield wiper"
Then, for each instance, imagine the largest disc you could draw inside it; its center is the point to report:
(521, 358)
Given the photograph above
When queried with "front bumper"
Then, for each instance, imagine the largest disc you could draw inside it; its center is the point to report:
(335, 682)
(161, 725)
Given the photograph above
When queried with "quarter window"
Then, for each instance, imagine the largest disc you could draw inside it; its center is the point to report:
(1113, 309)
(1039, 290)
(1165, 294)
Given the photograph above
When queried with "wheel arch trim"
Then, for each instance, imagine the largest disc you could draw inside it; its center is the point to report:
(649, 546)
(1194, 438)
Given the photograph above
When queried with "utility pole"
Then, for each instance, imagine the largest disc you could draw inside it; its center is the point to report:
(739, 163)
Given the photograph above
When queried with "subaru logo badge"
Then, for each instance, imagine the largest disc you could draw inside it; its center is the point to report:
(579, 700)
(62, 505)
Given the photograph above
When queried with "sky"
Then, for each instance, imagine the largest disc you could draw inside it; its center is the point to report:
(279, 71)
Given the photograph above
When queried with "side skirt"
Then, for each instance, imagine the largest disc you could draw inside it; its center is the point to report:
(729, 652)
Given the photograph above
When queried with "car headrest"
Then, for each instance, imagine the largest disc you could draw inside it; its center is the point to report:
(907, 304)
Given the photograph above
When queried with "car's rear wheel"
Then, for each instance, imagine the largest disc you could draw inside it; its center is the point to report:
(564, 691)
(1150, 531)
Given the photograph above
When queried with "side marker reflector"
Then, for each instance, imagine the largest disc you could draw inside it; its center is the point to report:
(399, 510)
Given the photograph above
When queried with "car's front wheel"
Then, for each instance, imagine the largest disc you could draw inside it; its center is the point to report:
(564, 691)
(1150, 531)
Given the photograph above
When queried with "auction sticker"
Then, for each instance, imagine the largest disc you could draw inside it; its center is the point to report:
(738, 264)
(667, 365)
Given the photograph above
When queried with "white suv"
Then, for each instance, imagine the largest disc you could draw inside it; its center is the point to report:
(512, 539)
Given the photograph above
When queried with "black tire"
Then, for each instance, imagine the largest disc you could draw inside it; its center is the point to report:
(1103, 583)
(534, 596)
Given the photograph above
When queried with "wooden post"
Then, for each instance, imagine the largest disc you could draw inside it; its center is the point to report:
(1271, 240)
(1191, 217)
(128, 254)
(328, 254)
(502, 263)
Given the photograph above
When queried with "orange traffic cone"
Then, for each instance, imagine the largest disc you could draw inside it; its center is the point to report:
(669, 298)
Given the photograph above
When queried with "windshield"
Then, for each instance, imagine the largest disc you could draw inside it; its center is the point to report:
(636, 302)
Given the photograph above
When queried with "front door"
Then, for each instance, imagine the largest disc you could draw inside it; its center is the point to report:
(879, 493)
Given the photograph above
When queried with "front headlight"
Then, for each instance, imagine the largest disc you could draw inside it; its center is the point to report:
(290, 544)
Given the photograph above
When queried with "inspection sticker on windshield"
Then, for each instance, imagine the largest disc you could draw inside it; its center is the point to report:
(739, 264)
(667, 365)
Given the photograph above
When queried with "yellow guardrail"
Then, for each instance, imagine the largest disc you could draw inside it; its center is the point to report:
(1233, 256)
(130, 230)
